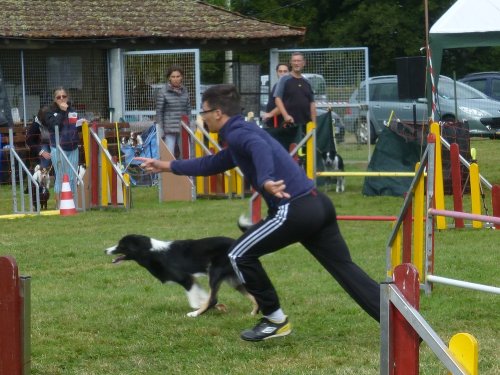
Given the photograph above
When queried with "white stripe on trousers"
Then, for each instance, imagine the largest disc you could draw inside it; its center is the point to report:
(258, 235)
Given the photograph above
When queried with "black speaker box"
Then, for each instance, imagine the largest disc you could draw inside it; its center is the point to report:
(411, 77)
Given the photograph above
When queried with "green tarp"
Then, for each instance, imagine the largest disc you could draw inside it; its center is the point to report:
(392, 154)
(324, 138)
(294, 134)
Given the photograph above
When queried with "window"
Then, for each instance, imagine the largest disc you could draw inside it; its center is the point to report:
(495, 88)
(478, 84)
(385, 92)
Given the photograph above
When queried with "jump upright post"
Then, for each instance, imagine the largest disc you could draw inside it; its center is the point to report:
(402, 326)
(425, 211)
(106, 178)
(15, 312)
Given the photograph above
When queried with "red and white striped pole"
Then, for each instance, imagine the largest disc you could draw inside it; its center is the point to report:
(433, 85)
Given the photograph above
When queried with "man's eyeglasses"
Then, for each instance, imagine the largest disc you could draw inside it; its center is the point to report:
(59, 97)
(208, 111)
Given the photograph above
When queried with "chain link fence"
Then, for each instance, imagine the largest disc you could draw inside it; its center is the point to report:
(144, 74)
(336, 74)
(29, 78)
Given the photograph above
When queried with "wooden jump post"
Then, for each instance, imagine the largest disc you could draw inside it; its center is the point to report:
(15, 343)
(107, 185)
(402, 326)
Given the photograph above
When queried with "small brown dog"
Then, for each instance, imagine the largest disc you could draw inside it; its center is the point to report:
(41, 176)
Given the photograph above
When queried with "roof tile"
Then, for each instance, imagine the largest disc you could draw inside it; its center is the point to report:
(91, 19)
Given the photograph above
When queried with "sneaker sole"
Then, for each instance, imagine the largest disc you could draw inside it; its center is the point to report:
(286, 333)
(281, 334)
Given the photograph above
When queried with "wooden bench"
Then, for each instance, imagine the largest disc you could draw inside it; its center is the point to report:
(19, 132)
(19, 142)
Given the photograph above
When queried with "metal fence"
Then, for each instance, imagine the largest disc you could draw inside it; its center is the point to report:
(336, 74)
(144, 73)
(30, 76)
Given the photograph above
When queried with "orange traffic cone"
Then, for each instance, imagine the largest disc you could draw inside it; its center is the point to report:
(67, 204)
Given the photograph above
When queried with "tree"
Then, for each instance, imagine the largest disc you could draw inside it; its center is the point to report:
(389, 28)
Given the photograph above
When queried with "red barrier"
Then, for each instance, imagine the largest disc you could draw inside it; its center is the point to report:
(456, 178)
(185, 139)
(94, 168)
(405, 338)
(366, 218)
(256, 209)
(294, 156)
(10, 318)
(495, 199)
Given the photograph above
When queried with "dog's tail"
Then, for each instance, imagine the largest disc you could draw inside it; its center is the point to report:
(244, 222)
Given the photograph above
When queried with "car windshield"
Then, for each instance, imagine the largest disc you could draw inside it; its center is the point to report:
(447, 91)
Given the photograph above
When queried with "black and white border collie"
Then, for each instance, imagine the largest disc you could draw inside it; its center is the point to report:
(181, 262)
(333, 162)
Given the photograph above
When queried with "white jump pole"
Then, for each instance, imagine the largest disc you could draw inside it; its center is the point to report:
(462, 284)
(365, 174)
(459, 283)
(465, 216)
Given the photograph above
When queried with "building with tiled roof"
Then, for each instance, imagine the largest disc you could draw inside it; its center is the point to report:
(121, 23)
(104, 51)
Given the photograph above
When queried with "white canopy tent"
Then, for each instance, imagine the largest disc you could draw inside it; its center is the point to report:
(468, 23)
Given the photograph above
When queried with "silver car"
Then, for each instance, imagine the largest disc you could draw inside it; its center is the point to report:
(471, 105)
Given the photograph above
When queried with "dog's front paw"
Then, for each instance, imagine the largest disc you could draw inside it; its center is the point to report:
(193, 314)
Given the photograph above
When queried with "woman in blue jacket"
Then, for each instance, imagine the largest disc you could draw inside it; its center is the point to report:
(61, 114)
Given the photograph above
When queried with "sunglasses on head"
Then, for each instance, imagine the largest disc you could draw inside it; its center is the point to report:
(59, 97)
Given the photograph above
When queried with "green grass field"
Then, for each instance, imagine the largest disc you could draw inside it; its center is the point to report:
(92, 317)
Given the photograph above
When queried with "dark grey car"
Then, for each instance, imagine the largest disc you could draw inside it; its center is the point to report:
(486, 82)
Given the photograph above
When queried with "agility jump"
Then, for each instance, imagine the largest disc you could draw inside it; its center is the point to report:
(402, 328)
(425, 212)
(107, 184)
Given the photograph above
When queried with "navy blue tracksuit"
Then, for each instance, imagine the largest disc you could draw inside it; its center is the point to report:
(308, 216)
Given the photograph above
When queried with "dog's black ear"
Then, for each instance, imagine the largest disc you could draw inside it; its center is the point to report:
(244, 223)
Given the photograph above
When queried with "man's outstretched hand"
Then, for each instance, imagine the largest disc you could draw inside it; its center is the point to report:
(154, 165)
